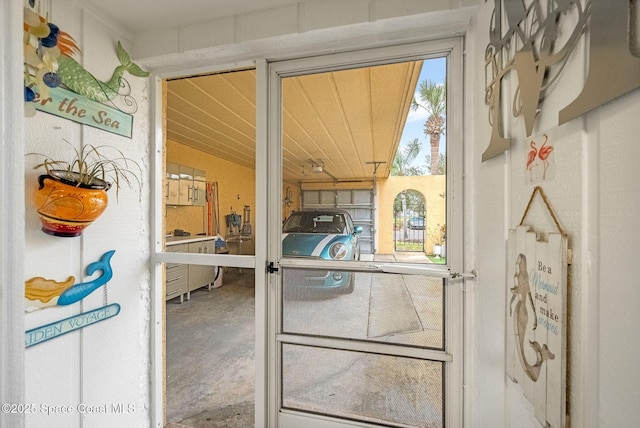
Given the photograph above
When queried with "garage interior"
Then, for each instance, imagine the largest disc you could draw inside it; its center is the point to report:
(341, 132)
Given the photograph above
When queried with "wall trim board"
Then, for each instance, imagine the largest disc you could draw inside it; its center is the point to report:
(11, 219)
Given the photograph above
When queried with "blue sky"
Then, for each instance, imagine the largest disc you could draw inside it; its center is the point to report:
(435, 70)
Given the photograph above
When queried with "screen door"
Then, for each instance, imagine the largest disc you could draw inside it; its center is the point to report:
(364, 338)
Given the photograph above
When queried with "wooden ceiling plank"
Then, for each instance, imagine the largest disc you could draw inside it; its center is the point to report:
(323, 98)
(204, 115)
(345, 118)
(221, 144)
(211, 132)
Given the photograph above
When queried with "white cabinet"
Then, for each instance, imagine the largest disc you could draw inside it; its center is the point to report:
(199, 187)
(209, 272)
(201, 275)
(176, 275)
(185, 185)
(185, 196)
(181, 279)
(172, 183)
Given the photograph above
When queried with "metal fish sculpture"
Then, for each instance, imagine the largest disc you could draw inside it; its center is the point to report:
(44, 43)
(41, 293)
(80, 81)
(49, 63)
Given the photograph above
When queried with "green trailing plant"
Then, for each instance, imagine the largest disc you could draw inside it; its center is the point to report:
(90, 166)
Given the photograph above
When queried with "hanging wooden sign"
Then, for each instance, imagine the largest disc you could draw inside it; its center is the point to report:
(67, 325)
(536, 318)
(78, 108)
(54, 82)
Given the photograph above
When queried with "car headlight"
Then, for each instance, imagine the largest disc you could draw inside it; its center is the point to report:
(338, 251)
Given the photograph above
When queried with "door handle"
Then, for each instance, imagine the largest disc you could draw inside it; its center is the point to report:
(271, 268)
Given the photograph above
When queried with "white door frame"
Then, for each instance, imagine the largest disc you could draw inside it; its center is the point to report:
(12, 199)
(267, 240)
(160, 256)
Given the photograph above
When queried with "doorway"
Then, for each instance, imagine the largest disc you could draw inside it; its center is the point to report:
(290, 339)
(209, 209)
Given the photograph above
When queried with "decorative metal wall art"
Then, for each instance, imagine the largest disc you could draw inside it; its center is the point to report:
(58, 328)
(529, 47)
(42, 293)
(50, 68)
(613, 68)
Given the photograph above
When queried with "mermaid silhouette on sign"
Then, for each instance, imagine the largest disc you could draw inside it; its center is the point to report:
(521, 295)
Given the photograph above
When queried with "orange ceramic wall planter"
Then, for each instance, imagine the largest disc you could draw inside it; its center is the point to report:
(65, 207)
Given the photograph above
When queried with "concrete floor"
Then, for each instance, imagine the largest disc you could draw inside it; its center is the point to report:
(210, 352)
(210, 366)
(374, 388)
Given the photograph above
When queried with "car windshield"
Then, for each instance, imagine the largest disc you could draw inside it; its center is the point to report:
(314, 222)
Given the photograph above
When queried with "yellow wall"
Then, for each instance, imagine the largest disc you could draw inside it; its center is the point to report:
(233, 181)
(236, 188)
(433, 189)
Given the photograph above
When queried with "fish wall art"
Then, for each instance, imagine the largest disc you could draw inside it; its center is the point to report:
(49, 63)
(43, 293)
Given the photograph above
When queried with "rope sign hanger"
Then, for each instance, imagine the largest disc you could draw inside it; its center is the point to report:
(539, 190)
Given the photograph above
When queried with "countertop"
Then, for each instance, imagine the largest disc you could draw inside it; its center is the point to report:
(175, 240)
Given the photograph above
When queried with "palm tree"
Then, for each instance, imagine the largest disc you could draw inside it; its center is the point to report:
(433, 98)
(442, 164)
(404, 157)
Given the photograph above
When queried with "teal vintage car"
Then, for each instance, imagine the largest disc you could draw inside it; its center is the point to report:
(327, 234)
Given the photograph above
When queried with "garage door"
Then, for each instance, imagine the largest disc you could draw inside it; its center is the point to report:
(357, 202)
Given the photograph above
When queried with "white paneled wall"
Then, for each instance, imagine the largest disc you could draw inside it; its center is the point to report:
(594, 193)
(105, 364)
(317, 26)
